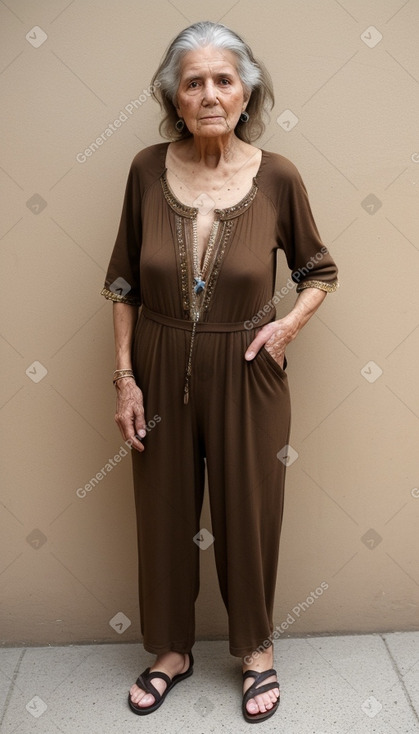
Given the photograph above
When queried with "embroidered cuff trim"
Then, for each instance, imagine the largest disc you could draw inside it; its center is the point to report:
(328, 287)
(119, 299)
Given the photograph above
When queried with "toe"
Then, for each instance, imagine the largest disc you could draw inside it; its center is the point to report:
(261, 703)
(264, 702)
(252, 706)
(140, 697)
(146, 700)
(135, 693)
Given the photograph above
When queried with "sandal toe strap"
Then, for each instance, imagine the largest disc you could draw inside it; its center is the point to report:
(259, 676)
(255, 689)
(144, 681)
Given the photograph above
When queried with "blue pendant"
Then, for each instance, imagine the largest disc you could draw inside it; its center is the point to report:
(199, 285)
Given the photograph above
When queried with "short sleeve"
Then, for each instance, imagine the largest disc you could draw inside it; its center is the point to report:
(308, 258)
(122, 282)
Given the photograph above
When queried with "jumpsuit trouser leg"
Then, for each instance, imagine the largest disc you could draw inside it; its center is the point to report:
(247, 422)
(168, 487)
(238, 417)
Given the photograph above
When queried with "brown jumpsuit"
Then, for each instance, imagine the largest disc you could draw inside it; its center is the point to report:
(230, 413)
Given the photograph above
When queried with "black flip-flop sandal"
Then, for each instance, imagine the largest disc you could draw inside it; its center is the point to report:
(144, 681)
(254, 690)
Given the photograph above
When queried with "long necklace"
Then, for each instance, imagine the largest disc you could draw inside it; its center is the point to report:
(198, 290)
(200, 274)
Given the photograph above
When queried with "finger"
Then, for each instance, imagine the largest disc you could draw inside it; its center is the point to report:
(135, 443)
(134, 437)
(255, 345)
(140, 424)
(127, 428)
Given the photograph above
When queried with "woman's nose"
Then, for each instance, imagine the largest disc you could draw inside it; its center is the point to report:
(210, 93)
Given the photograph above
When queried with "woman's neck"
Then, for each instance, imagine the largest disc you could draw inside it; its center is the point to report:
(213, 152)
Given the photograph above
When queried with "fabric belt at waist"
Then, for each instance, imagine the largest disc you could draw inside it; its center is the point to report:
(205, 326)
(196, 327)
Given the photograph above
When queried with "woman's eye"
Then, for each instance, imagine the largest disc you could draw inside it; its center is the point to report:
(225, 81)
(193, 85)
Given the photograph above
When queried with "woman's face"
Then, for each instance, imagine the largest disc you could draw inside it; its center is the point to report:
(210, 97)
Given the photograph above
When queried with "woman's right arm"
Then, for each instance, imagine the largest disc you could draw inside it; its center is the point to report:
(129, 399)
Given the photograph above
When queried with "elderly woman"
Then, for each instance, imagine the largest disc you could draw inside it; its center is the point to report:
(200, 367)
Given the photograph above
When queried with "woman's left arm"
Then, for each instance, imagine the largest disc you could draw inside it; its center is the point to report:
(276, 336)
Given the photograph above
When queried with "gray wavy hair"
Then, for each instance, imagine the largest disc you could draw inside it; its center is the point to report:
(254, 77)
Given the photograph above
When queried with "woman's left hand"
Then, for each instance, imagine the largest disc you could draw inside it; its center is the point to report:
(275, 337)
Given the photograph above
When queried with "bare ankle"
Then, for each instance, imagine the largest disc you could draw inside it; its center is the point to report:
(257, 659)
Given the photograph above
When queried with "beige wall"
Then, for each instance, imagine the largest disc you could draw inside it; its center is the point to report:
(68, 563)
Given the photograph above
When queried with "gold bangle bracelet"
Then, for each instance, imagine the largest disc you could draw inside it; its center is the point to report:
(122, 377)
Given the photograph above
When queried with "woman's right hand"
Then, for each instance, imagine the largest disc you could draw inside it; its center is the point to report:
(130, 412)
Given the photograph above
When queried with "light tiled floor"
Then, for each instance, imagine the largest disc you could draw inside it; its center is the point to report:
(355, 684)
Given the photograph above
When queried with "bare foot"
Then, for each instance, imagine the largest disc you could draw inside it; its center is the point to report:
(171, 663)
(265, 701)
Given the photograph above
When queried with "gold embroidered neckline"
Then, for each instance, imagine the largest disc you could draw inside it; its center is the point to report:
(191, 212)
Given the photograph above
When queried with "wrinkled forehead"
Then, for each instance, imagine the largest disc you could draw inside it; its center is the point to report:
(208, 60)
